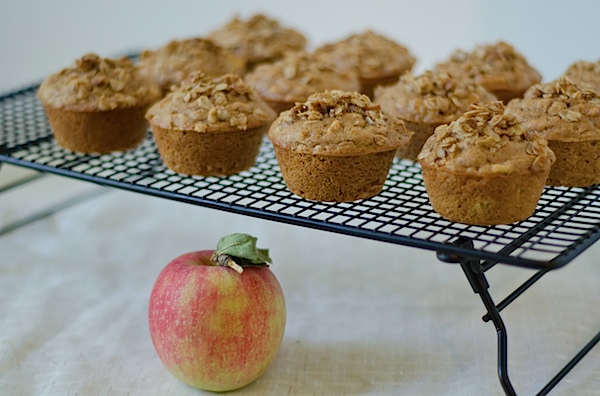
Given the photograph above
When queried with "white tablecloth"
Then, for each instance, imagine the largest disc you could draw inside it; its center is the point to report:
(364, 317)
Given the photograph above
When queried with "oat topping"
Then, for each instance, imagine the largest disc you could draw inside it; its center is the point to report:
(431, 97)
(171, 63)
(214, 104)
(560, 110)
(493, 66)
(563, 90)
(258, 39)
(338, 123)
(93, 83)
(486, 139)
(334, 104)
(585, 72)
(369, 54)
(297, 76)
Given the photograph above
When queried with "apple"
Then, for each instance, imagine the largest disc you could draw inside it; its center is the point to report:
(217, 317)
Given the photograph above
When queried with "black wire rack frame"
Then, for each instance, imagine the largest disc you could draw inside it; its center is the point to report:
(564, 224)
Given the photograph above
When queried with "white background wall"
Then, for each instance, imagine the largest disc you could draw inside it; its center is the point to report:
(39, 37)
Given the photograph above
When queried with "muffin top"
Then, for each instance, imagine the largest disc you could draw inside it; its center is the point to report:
(171, 63)
(486, 140)
(211, 104)
(93, 83)
(559, 110)
(258, 39)
(337, 123)
(585, 72)
(297, 76)
(495, 66)
(369, 54)
(432, 97)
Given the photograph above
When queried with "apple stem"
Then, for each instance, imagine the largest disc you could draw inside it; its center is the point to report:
(225, 260)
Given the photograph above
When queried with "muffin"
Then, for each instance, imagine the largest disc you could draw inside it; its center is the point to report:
(337, 146)
(427, 101)
(210, 126)
(484, 169)
(258, 40)
(377, 60)
(170, 64)
(295, 77)
(567, 115)
(97, 105)
(498, 67)
(585, 72)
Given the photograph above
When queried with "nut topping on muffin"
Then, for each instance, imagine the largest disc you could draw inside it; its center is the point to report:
(469, 143)
(565, 90)
(545, 105)
(297, 76)
(351, 124)
(206, 104)
(377, 60)
(499, 68)
(427, 101)
(369, 54)
(567, 115)
(431, 97)
(93, 83)
(258, 39)
(585, 72)
(170, 64)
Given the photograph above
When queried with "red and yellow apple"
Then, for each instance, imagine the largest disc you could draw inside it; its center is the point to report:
(215, 328)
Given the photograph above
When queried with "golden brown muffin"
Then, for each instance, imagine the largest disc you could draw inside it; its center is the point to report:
(336, 146)
(585, 72)
(97, 105)
(295, 77)
(427, 101)
(377, 60)
(170, 64)
(484, 169)
(498, 67)
(567, 115)
(258, 40)
(210, 126)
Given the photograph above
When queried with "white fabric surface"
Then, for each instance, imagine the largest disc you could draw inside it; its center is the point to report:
(364, 317)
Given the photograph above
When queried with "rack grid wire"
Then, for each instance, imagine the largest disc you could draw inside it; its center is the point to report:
(565, 223)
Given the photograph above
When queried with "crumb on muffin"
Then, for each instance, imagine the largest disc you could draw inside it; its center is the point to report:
(585, 72)
(298, 75)
(93, 83)
(498, 67)
(348, 124)
(431, 97)
(171, 63)
(258, 39)
(486, 140)
(560, 110)
(210, 104)
(369, 54)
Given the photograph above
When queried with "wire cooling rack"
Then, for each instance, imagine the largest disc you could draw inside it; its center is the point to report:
(565, 223)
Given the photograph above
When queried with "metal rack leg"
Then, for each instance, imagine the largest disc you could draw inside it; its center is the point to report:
(501, 332)
(474, 272)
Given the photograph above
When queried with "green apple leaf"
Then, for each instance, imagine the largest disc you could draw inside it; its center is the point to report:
(242, 249)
